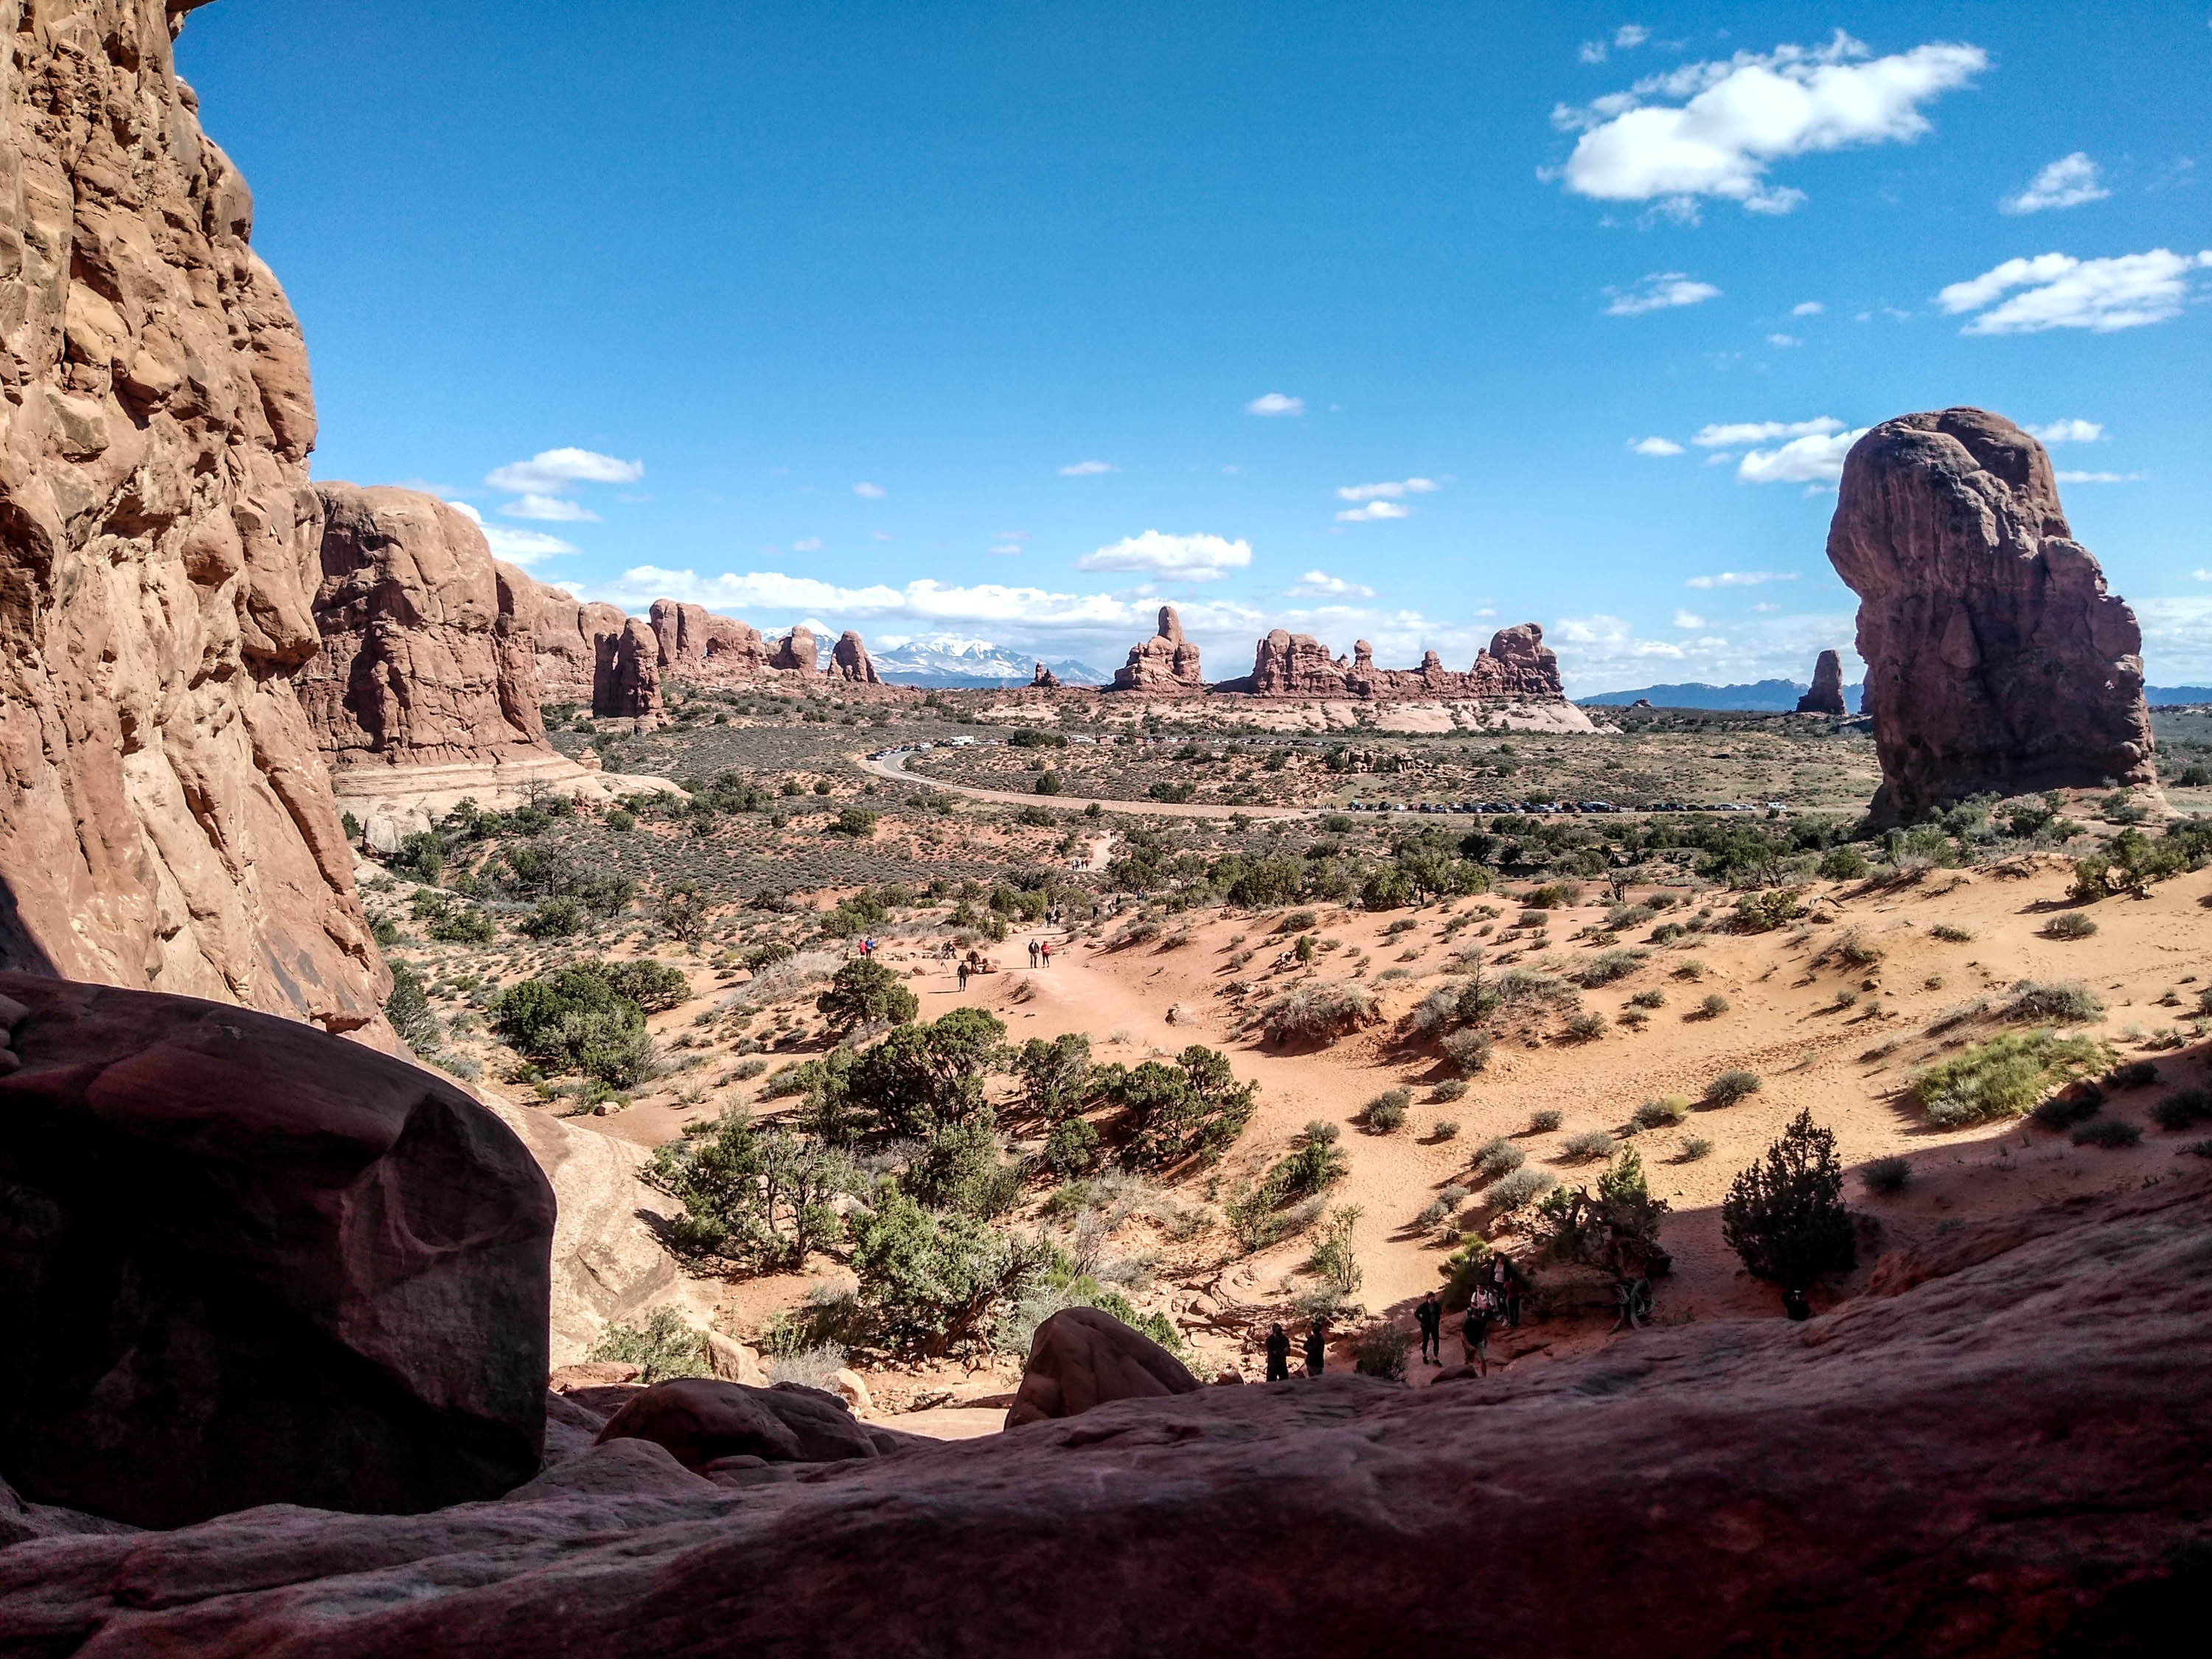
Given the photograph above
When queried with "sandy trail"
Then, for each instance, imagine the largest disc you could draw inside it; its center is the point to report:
(895, 770)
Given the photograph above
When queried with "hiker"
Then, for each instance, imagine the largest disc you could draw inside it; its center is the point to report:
(1506, 1288)
(1033, 953)
(1317, 1346)
(1430, 1316)
(1044, 949)
(1279, 1354)
(963, 977)
(1476, 1332)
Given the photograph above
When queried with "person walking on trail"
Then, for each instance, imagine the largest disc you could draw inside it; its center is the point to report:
(1476, 1332)
(1317, 1346)
(1279, 1354)
(1430, 1316)
(1044, 951)
(963, 977)
(1033, 953)
(1506, 1288)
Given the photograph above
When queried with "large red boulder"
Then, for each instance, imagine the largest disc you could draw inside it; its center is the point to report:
(1081, 1357)
(243, 1262)
(701, 1419)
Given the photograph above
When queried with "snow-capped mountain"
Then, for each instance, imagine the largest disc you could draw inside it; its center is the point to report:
(949, 662)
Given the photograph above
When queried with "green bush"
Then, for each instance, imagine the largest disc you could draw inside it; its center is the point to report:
(1254, 1216)
(554, 918)
(1451, 1088)
(1785, 1216)
(1444, 1129)
(384, 931)
(935, 1280)
(857, 822)
(576, 1020)
(1497, 1156)
(421, 855)
(663, 1347)
(1048, 784)
(2183, 1108)
(1380, 1350)
(654, 986)
(1055, 1072)
(1519, 1188)
(408, 1008)
(1585, 1027)
(2108, 1132)
(1843, 864)
(1468, 1051)
(750, 1194)
(1661, 1114)
(1462, 1271)
(1317, 1010)
(1694, 1147)
(462, 924)
(864, 991)
(1589, 1144)
(1731, 1087)
(1654, 998)
(2074, 1103)
(959, 1169)
(1714, 1005)
(2034, 1002)
(2131, 1074)
(1386, 1113)
(621, 820)
(1194, 1109)
(1615, 1229)
(2001, 1077)
(2071, 924)
(1072, 1148)
(1544, 1122)
(1886, 1175)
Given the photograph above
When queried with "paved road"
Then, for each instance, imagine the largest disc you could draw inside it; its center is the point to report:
(895, 769)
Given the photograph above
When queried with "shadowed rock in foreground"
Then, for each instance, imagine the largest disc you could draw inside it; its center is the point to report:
(1999, 1449)
(1996, 659)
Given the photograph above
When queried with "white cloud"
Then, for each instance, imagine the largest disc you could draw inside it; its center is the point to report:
(1394, 491)
(1275, 403)
(1592, 51)
(807, 545)
(1320, 585)
(552, 509)
(2067, 182)
(874, 492)
(1807, 308)
(1811, 460)
(1004, 549)
(1373, 511)
(2059, 291)
(466, 511)
(2201, 575)
(1740, 116)
(2068, 432)
(1630, 35)
(1735, 434)
(1087, 469)
(1742, 579)
(1784, 340)
(1720, 457)
(1655, 446)
(549, 470)
(881, 534)
(2099, 477)
(1662, 290)
(1685, 619)
(1191, 558)
(523, 547)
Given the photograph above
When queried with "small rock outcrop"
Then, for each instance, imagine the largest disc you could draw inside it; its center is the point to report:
(165, 820)
(247, 1263)
(1080, 1358)
(429, 652)
(849, 661)
(1167, 662)
(1518, 663)
(795, 653)
(1044, 680)
(626, 678)
(1827, 695)
(1996, 659)
(700, 1420)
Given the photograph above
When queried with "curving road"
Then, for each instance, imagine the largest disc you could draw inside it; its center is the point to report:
(893, 767)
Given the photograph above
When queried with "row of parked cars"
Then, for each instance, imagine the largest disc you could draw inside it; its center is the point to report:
(1534, 807)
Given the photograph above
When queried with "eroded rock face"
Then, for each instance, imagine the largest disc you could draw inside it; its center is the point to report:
(1518, 667)
(1518, 663)
(568, 634)
(697, 644)
(1288, 664)
(1044, 680)
(795, 653)
(1826, 695)
(1996, 659)
(626, 681)
(164, 817)
(1166, 662)
(1966, 1465)
(242, 1262)
(430, 651)
(1080, 1358)
(699, 1419)
(849, 661)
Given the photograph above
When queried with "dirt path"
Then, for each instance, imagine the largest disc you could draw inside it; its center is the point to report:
(894, 767)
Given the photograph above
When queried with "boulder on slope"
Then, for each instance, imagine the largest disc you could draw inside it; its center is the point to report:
(1081, 1357)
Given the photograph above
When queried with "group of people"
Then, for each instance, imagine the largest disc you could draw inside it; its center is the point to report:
(1497, 1296)
(1279, 1350)
(1039, 952)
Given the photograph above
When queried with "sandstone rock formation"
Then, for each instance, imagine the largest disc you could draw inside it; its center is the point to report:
(696, 643)
(1044, 680)
(1518, 663)
(1080, 1358)
(1288, 664)
(626, 679)
(567, 632)
(795, 653)
(1996, 659)
(1166, 662)
(430, 651)
(1518, 667)
(848, 661)
(1827, 695)
(164, 819)
(700, 1420)
(246, 1263)
(1958, 1463)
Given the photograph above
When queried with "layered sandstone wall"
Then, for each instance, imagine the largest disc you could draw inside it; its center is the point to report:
(1518, 666)
(1166, 663)
(164, 821)
(1996, 658)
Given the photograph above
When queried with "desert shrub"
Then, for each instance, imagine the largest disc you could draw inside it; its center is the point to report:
(2131, 1074)
(663, 1347)
(1333, 1261)
(1690, 968)
(2071, 1105)
(2033, 1001)
(1497, 1156)
(935, 1280)
(1444, 1129)
(1451, 1088)
(421, 855)
(2183, 1108)
(1518, 1189)
(1843, 864)
(408, 1008)
(1714, 1006)
(576, 1019)
(1694, 1147)
(1072, 1148)
(1785, 1216)
(959, 1169)
(1435, 1012)
(1379, 1350)
(1855, 951)
(1951, 935)
(553, 918)
(1321, 1130)
(1654, 998)
(1615, 1229)
(1731, 1087)
(1589, 1144)
(2001, 1077)
(1662, 1114)
(1543, 1121)
(1194, 1109)
(621, 820)
(463, 924)
(1762, 912)
(1585, 1027)
(1055, 1072)
(916, 1079)
(1533, 918)
(654, 986)
(1462, 1271)
(1468, 1050)
(1386, 1113)
(2107, 1132)
(857, 822)
(865, 992)
(1886, 1175)
(1318, 1010)
(754, 1195)
(2071, 924)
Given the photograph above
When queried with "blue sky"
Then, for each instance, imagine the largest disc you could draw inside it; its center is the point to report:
(1006, 322)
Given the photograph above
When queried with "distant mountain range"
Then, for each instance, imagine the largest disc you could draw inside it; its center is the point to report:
(1780, 697)
(951, 664)
(1760, 697)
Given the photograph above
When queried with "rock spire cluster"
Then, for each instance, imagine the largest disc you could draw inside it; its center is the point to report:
(1166, 662)
(1825, 696)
